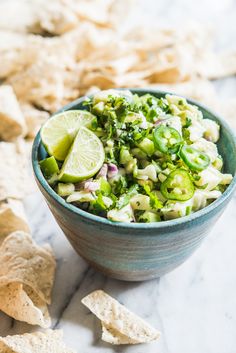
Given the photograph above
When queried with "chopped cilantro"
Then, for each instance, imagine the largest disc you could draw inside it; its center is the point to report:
(155, 203)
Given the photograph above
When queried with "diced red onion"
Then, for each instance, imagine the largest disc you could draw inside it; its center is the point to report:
(143, 124)
(158, 122)
(91, 186)
(103, 171)
(81, 184)
(112, 170)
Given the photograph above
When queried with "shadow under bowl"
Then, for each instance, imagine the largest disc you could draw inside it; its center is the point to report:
(137, 251)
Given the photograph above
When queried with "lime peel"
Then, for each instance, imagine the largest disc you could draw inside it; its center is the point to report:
(85, 158)
(58, 133)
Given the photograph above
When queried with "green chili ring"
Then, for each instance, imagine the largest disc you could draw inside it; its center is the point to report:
(193, 158)
(178, 186)
(167, 139)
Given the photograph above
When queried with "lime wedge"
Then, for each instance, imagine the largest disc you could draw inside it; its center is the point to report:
(59, 132)
(84, 159)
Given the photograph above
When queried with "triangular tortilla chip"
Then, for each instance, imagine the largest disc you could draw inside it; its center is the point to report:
(23, 306)
(38, 342)
(12, 218)
(26, 278)
(119, 320)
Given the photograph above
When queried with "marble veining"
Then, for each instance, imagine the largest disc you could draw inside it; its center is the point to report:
(195, 305)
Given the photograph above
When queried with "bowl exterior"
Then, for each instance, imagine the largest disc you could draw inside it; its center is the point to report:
(129, 254)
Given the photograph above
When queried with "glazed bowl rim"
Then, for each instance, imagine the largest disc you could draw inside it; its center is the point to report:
(136, 226)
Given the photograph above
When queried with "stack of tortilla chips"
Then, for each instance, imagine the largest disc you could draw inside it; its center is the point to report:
(59, 50)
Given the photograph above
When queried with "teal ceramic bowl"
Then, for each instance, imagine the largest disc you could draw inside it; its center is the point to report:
(135, 252)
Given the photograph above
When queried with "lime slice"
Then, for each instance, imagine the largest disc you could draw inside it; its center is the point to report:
(85, 157)
(59, 132)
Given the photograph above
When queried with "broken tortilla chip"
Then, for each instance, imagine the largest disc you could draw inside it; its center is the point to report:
(118, 321)
(12, 218)
(26, 279)
(22, 260)
(48, 341)
(12, 122)
(23, 306)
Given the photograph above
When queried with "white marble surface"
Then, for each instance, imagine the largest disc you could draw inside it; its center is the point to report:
(194, 306)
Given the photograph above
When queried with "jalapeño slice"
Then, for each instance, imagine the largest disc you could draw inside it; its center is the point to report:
(178, 186)
(167, 139)
(193, 158)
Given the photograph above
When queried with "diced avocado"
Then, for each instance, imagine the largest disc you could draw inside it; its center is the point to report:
(131, 166)
(65, 189)
(49, 166)
(147, 146)
(148, 217)
(138, 153)
(125, 155)
(98, 108)
(105, 187)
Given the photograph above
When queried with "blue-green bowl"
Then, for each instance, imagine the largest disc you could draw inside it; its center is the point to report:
(134, 251)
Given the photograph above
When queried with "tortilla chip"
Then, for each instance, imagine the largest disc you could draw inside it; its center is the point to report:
(114, 337)
(150, 38)
(12, 122)
(86, 10)
(23, 306)
(23, 261)
(55, 17)
(92, 90)
(12, 218)
(38, 16)
(8, 18)
(227, 108)
(17, 51)
(26, 278)
(117, 319)
(48, 341)
(34, 118)
(215, 66)
(197, 88)
(49, 83)
(15, 182)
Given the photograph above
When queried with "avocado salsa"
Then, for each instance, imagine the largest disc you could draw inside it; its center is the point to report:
(133, 158)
